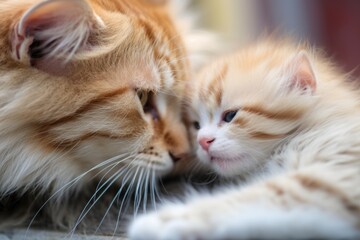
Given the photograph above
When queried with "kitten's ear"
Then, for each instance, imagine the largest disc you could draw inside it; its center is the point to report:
(53, 30)
(302, 74)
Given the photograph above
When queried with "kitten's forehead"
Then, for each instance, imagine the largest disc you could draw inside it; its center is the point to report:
(209, 85)
(254, 75)
(224, 84)
(251, 76)
(242, 85)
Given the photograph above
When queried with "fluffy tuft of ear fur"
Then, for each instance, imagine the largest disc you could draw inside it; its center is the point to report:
(302, 74)
(53, 30)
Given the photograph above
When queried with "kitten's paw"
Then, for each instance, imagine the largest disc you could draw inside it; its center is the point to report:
(176, 223)
(184, 222)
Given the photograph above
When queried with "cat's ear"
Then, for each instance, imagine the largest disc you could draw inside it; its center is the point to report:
(53, 30)
(302, 76)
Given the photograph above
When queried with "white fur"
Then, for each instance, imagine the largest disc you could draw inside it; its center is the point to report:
(254, 222)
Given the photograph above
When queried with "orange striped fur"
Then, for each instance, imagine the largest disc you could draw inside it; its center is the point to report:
(71, 73)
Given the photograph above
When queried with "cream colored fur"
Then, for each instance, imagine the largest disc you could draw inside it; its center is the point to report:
(296, 139)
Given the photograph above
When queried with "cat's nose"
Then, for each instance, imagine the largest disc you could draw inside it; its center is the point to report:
(205, 142)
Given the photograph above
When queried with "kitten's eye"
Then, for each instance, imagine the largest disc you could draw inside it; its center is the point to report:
(229, 116)
(143, 96)
(196, 125)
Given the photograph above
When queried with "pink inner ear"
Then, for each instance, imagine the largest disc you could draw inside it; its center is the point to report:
(305, 81)
(53, 30)
(52, 13)
(303, 77)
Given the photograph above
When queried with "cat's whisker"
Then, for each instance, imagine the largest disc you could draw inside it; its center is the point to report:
(146, 188)
(126, 198)
(157, 192)
(113, 166)
(114, 176)
(69, 185)
(163, 186)
(138, 193)
(125, 180)
(116, 197)
(152, 189)
(88, 207)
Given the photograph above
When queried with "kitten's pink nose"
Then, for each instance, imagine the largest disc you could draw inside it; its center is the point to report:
(205, 142)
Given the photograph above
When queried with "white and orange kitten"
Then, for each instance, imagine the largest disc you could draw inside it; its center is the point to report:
(284, 118)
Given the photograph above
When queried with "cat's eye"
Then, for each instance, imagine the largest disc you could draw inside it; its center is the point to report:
(196, 125)
(147, 101)
(229, 116)
(143, 96)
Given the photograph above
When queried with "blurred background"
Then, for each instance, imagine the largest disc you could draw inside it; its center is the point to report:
(333, 25)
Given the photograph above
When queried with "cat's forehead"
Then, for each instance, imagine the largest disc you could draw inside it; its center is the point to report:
(138, 49)
(128, 68)
(142, 75)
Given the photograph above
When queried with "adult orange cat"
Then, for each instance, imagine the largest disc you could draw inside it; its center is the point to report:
(285, 119)
(89, 88)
